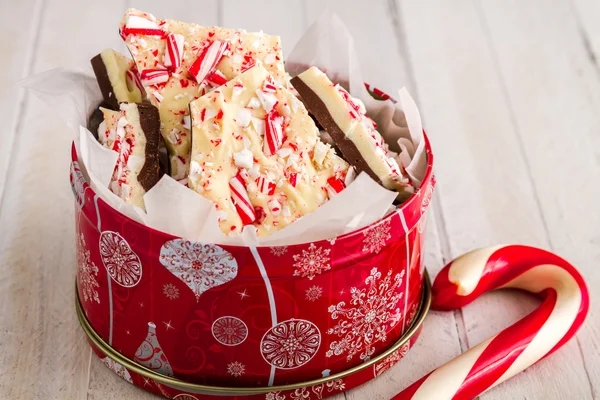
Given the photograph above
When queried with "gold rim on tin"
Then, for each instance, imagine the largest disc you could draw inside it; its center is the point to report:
(131, 365)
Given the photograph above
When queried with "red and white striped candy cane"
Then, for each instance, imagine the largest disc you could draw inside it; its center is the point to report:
(563, 310)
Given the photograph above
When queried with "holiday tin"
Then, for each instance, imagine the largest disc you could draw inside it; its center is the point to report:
(235, 316)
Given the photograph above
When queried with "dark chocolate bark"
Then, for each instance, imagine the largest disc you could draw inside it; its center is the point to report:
(150, 124)
(318, 109)
(104, 82)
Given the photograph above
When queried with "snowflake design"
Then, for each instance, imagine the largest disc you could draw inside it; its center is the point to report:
(86, 272)
(290, 344)
(313, 293)
(411, 313)
(332, 241)
(373, 311)
(311, 262)
(117, 369)
(171, 291)
(377, 237)
(236, 369)
(185, 396)
(306, 393)
(391, 360)
(230, 331)
(278, 250)
(122, 264)
(274, 396)
(200, 266)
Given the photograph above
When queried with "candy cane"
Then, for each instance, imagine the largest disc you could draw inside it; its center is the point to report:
(552, 324)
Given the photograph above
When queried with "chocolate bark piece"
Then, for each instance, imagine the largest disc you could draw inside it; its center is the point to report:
(318, 109)
(117, 78)
(150, 124)
(134, 133)
(354, 133)
(179, 62)
(257, 155)
(95, 120)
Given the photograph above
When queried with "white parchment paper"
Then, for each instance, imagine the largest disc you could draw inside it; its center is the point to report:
(175, 209)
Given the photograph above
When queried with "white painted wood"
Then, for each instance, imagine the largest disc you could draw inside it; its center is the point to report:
(43, 354)
(22, 26)
(587, 13)
(375, 35)
(506, 89)
(559, 132)
(483, 178)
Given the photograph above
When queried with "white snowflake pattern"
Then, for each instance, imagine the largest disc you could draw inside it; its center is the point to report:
(122, 264)
(373, 311)
(390, 360)
(412, 312)
(278, 250)
(377, 237)
(306, 393)
(312, 262)
(185, 396)
(86, 272)
(275, 396)
(171, 291)
(290, 344)
(236, 369)
(230, 331)
(117, 369)
(313, 293)
(200, 266)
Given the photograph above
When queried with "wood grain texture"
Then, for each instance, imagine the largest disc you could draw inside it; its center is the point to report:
(560, 140)
(484, 181)
(509, 93)
(22, 25)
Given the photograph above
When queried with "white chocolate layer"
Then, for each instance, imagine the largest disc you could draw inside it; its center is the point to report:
(124, 88)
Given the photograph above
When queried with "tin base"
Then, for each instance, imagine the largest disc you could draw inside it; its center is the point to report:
(322, 387)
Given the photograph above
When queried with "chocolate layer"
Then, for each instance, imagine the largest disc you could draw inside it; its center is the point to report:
(318, 109)
(150, 124)
(95, 120)
(104, 82)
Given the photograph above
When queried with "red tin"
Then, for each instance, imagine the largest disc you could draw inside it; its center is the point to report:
(239, 316)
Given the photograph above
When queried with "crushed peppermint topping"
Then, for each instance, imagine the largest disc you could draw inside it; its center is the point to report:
(244, 116)
(253, 103)
(154, 76)
(243, 159)
(273, 133)
(267, 100)
(187, 122)
(207, 60)
(241, 200)
(174, 53)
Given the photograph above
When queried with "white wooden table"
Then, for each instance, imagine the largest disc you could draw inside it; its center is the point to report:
(510, 96)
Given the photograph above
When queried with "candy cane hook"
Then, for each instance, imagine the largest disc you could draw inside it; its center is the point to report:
(563, 310)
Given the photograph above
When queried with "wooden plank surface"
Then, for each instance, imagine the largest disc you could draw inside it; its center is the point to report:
(510, 95)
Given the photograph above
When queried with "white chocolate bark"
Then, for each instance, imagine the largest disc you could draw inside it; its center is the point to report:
(231, 127)
(350, 116)
(121, 131)
(124, 87)
(168, 82)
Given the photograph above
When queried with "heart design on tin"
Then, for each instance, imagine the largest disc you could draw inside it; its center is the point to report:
(200, 266)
